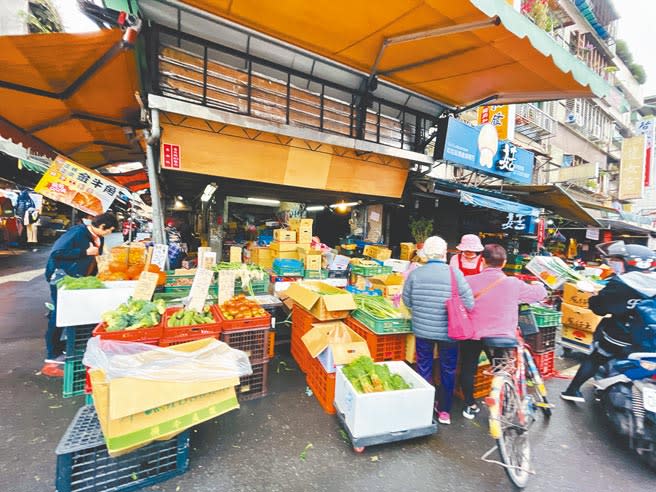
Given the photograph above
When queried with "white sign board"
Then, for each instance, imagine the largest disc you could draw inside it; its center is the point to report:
(199, 289)
(160, 255)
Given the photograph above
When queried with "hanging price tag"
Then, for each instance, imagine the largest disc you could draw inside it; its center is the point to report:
(160, 253)
(145, 286)
(201, 254)
(226, 285)
(199, 289)
(209, 260)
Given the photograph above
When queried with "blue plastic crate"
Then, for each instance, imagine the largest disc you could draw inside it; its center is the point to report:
(83, 464)
(77, 338)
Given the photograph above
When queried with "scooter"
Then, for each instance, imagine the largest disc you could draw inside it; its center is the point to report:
(626, 389)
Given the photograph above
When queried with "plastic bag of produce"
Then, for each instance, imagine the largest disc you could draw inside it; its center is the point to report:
(202, 360)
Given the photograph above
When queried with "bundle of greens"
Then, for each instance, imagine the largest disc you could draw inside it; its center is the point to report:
(189, 317)
(377, 306)
(243, 272)
(367, 377)
(134, 314)
(79, 283)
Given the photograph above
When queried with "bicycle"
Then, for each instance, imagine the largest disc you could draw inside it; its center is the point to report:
(517, 392)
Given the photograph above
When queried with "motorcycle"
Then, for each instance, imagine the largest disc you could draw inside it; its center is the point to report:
(626, 389)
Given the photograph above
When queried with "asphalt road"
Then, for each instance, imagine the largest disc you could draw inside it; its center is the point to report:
(260, 447)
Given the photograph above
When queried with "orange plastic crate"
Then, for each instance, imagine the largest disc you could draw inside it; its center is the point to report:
(149, 335)
(482, 383)
(242, 324)
(170, 332)
(272, 344)
(302, 322)
(322, 385)
(381, 347)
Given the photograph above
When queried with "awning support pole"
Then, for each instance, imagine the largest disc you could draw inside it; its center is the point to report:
(152, 139)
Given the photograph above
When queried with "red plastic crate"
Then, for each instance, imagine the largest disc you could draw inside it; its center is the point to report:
(255, 342)
(302, 322)
(149, 335)
(254, 386)
(546, 363)
(170, 332)
(381, 347)
(303, 319)
(242, 324)
(170, 341)
(322, 385)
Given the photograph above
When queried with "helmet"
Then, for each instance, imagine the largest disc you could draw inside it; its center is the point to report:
(634, 256)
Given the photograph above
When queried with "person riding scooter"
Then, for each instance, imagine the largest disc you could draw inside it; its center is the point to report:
(615, 337)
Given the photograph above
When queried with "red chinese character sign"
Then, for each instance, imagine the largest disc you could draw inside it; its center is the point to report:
(74, 185)
(171, 156)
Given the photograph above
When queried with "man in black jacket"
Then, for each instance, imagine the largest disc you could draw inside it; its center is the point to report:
(635, 281)
(73, 254)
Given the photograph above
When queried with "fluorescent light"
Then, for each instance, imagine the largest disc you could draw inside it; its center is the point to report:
(344, 205)
(315, 208)
(264, 200)
(208, 192)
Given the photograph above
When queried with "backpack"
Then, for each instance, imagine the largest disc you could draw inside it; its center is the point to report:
(643, 325)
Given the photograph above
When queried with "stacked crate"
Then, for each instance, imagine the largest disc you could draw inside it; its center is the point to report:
(83, 463)
(250, 336)
(74, 371)
(543, 343)
(579, 322)
(482, 380)
(302, 322)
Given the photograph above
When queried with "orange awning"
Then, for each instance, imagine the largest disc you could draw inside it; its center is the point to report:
(456, 52)
(73, 92)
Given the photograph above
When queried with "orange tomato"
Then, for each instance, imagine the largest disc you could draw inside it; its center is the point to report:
(117, 266)
(161, 279)
(135, 270)
(154, 268)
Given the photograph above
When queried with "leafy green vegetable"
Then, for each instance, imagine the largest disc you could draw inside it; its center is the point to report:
(134, 314)
(377, 306)
(367, 377)
(79, 283)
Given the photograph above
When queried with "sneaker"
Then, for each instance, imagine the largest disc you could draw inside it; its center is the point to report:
(470, 411)
(575, 396)
(58, 360)
(52, 370)
(444, 418)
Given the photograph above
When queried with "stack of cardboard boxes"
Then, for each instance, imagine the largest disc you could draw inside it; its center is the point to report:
(284, 245)
(579, 322)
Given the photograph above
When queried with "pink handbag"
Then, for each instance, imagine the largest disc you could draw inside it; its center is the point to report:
(460, 325)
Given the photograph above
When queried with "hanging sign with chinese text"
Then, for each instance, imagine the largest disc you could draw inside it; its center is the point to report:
(519, 223)
(81, 188)
(501, 116)
(479, 149)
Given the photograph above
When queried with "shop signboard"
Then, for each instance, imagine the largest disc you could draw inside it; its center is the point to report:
(632, 168)
(479, 149)
(648, 129)
(171, 156)
(501, 116)
(78, 187)
(519, 223)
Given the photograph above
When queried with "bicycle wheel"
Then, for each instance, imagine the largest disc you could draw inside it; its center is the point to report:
(511, 430)
(535, 385)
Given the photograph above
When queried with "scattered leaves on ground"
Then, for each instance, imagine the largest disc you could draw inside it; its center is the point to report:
(303, 454)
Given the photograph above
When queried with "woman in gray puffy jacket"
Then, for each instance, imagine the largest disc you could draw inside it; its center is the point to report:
(425, 292)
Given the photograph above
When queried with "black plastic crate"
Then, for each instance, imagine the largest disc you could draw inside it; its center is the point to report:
(77, 338)
(338, 273)
(543, 341)
(254, 386)
(83, 464)
(255, 342)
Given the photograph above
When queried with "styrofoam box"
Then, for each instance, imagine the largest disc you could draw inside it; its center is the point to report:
(86, 307)
(398, 266)
(373, 414)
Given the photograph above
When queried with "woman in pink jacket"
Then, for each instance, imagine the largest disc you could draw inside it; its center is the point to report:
(496, 298)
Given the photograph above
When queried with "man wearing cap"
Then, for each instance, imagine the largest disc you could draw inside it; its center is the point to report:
(425, 292)
(469, 261)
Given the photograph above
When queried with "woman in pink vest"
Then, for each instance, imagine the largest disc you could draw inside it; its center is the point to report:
(469, 261)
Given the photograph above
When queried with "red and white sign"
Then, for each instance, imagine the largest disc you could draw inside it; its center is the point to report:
(648, 129)
(541, 233)
(171, 154)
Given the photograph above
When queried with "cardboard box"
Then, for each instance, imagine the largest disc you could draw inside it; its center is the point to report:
(576, 336)
(576, 297)
(235, 254)
(325, 302)
(374, 414)
(407, 251)
(304, 236)
(298, 224)
(284, 235)
(286, 247)
(398, 266)
(260, 253)
(389, 284)
(285, 255)
(579, 318)
(334, 344)
(339, 262)
(377, 252)
(312, 262)
(133, 412)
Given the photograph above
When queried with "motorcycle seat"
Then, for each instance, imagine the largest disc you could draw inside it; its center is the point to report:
(642, 355)
(499, 342)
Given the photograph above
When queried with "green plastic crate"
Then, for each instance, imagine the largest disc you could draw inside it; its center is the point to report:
(316, 274)
(545, 317)
(259, 287)
(382, 326)
(370, 271)
(75, 375)
(288, 272)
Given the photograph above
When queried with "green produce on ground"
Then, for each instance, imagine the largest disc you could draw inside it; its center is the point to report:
(189, 317)
(367, 377)
(79, 283)
(135, 314)
(378, 307)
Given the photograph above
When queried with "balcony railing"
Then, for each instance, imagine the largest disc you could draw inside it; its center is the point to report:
(534, 123)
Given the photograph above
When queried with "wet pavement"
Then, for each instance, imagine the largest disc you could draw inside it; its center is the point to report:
(265, 446)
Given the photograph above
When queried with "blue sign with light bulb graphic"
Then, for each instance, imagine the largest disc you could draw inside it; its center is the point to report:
(479, 149)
